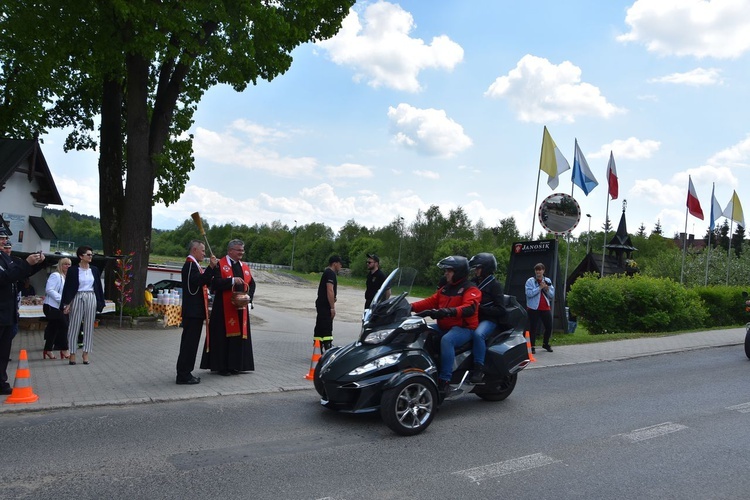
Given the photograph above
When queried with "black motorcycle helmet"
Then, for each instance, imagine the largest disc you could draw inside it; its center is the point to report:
(486, 261)
(458, 263)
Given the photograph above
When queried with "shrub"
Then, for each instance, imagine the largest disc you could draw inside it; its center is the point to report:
(135, 312)
(615, 304)
(724, 304)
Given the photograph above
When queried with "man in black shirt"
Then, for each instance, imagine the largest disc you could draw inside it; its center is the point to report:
(325, 304)
(375, 278)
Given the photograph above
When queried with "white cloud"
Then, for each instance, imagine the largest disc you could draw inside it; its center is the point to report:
(257, 133)
(428, 131)
(382, 53)
(349, 171)
(658, 193)
(702, 177)
(542, 92)
(737, 155)
(238, 146)
(631, 148)
(699, 28)
(427, 174)
(674, 192)
(697, 77)
(80, 194)
(314, 204)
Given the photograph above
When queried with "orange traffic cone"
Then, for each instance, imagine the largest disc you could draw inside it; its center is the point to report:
(314, 360)
(528, 346)
(22, 392)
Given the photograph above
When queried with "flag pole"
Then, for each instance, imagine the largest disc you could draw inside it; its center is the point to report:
(708, 256)
(536, 195)
(684, 247)
(729, 245)
(604, 247)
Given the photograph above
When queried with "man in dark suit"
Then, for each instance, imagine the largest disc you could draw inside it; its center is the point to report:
(12, 270)
(194, 309)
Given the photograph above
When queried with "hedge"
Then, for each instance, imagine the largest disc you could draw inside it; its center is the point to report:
(617, 304)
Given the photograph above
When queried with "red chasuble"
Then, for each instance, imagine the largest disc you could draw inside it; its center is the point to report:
(231, 326)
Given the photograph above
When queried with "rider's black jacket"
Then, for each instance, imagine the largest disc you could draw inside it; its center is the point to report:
(492, 305)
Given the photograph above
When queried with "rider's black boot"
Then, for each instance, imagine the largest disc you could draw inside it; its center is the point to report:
(444, 387)
(477, 375)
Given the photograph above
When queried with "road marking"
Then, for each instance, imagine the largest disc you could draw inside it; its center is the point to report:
(506, 467)
(743, 408)
(653, 431)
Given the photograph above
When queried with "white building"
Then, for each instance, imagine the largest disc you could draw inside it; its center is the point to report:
(26, 187)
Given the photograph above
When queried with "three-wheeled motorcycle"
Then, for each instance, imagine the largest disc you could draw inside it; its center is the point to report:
(393, 367)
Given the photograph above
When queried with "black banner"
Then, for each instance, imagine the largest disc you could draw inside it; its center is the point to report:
(524, 256)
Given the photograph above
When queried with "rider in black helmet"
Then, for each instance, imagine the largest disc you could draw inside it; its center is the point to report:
(491, 308)
(455, 306)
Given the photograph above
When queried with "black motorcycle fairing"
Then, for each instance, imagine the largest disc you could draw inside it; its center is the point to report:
(362, 393)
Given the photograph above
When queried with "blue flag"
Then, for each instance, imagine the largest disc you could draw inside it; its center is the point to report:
(582, 176)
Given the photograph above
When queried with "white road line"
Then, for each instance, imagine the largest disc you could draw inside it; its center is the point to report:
(743, 408)
(653, 431)
(498, 469)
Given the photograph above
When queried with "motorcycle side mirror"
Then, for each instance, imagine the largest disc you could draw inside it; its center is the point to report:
(744, 295)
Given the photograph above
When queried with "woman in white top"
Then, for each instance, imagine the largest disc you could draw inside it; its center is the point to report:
(56, 333)
(82, 298)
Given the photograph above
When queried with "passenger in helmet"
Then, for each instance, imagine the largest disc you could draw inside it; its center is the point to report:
(491, 308)
(455, 306)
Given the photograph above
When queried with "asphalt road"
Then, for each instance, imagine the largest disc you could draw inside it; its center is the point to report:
(668, 426)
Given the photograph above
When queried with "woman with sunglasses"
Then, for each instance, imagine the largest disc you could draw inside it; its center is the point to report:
(82, 298)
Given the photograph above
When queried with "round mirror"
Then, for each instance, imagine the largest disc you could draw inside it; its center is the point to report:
(559, 213)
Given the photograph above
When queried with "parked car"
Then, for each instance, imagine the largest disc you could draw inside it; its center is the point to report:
(167, 285)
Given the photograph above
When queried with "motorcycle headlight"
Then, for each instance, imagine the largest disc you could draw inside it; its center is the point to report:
(389, 360)
(377, 336)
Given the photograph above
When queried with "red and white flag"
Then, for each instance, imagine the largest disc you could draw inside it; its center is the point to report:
(614, 188)
(693, 204)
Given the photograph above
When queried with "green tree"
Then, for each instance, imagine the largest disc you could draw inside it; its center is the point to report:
(427, 231)
(737, 239)
(143, 66)
(657, 228)
(459, 225)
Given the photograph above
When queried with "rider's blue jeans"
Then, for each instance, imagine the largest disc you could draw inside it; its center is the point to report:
(479, 348)
(455, 337)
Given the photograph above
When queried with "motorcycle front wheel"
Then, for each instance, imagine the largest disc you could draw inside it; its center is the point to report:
(747, 341)
(409, 408)
(497, 390)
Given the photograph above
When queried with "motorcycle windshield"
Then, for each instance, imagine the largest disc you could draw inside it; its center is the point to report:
(400, 280)
(397, 283)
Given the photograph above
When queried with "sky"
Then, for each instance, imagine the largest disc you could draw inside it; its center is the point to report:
(418, 103)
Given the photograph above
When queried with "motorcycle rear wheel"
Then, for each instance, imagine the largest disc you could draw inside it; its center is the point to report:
(497, 390)
(747, 342)
(409, 408)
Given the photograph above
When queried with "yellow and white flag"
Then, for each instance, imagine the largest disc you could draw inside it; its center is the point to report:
(734, 210)
(552, 161)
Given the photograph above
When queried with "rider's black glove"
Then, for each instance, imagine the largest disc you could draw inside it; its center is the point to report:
(427, 313)
(444, 312)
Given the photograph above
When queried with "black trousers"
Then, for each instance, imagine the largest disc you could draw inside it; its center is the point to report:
(6, 339)
(191, 336)
(56, 332)
(536, 317)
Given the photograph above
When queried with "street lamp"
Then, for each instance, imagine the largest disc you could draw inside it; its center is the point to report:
(588, 236)
(294, 241)
(400, 239)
